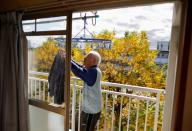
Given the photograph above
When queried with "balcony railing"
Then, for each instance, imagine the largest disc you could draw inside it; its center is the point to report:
(125, 107)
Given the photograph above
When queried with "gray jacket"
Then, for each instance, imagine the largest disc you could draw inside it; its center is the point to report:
(56, 79)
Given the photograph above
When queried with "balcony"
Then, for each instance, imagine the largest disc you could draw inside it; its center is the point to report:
(161, 60)
(125, 107)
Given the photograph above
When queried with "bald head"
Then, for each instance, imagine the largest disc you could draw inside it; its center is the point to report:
(92, 58)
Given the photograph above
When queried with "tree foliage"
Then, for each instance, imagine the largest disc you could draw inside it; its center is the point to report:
(45, 55)
(130, 61)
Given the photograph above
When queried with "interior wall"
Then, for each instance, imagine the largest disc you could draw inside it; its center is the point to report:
(182, 109)
(187, 103)
(187, 116)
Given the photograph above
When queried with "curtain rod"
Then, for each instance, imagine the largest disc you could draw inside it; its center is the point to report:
(42, 6)
(57, 4)
(69, 4)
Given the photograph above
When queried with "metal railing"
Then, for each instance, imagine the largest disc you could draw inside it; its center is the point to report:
(125, 107)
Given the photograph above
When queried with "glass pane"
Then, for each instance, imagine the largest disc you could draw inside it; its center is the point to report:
(46, 80)
(29, 25)
(54, 23)
(41, 51)
(45, 24)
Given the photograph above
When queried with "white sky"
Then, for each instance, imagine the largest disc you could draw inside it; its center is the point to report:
(156, 20)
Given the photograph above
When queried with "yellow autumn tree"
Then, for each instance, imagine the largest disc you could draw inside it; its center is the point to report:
(45, 55)
(130, 61)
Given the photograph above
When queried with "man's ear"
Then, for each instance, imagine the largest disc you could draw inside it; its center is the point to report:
(94, 61)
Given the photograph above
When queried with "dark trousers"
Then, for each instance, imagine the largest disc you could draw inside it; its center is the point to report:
(87, 121)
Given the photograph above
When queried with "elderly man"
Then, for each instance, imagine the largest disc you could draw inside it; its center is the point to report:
(92, 97)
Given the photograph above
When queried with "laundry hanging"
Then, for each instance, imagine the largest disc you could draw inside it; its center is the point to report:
(87, 37)
(56, 79)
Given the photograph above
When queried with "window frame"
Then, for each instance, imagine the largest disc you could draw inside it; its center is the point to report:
(176, 46)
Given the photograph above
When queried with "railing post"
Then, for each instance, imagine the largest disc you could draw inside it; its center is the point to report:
(129, 112)
(39, 84)
(156, 111)
(31, 89)
(74, 105)
(44, 91)
(146, 115)
(28, 88)
(105, 121)
(79, 109)
(120, 113)
(48, 97)
(35, 89)
(113, 113)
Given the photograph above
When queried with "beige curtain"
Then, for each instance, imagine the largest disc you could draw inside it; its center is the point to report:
(13, 74)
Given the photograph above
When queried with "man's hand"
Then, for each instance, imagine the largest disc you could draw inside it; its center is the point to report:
(62, 53)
